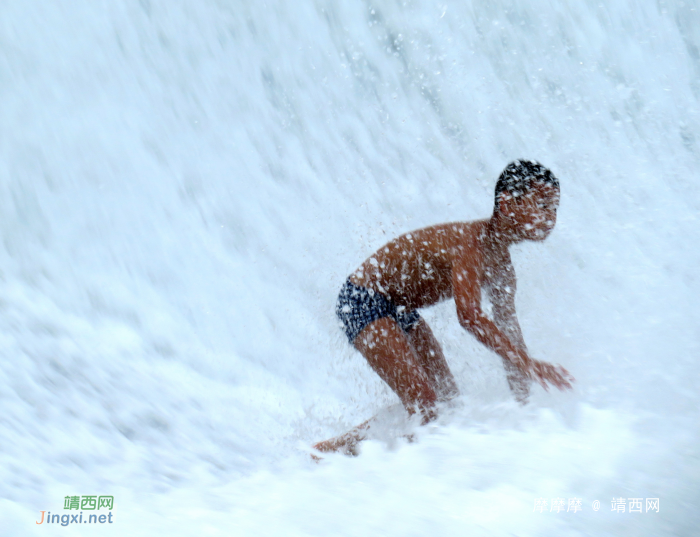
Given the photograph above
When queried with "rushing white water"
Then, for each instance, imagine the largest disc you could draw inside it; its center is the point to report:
(184, 186)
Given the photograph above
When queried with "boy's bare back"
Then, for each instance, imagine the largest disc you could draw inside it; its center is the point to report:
(416, 269)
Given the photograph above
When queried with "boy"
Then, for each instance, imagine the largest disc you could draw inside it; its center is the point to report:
(378, 303)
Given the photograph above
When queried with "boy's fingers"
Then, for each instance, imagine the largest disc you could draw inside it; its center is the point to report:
(567, 378)
(560, 379)
(565, 384)
(556, 375)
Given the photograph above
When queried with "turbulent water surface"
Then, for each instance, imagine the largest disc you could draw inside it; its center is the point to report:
(184, 186)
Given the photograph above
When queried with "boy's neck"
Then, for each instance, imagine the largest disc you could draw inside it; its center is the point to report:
(498, 235)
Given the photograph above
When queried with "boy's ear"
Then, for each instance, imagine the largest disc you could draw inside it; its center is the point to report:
(503, 197)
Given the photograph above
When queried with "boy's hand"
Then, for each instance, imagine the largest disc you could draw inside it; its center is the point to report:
(544, 372)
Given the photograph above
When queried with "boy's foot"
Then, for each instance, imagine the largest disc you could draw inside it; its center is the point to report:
(348, 443)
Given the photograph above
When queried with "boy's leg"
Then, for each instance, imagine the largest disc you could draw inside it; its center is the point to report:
(388, 351)
(432, 360)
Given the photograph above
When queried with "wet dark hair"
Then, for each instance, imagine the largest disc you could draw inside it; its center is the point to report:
(519, 176)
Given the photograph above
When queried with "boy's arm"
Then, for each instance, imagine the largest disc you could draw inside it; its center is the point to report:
(501, 292)
(466, 280)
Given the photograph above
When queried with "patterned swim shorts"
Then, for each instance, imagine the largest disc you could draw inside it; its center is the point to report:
(357, 307)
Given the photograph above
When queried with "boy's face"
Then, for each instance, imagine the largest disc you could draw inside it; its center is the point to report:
(532, 215)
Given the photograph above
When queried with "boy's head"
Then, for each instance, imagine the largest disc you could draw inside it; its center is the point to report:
(527, 196)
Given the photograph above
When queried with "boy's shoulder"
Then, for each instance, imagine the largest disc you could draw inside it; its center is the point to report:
(446, 234)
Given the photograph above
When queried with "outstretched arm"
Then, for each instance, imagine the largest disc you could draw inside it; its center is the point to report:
(467, 293)
(501, 292)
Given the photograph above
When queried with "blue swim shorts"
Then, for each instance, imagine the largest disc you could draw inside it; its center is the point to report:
(357, 307)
